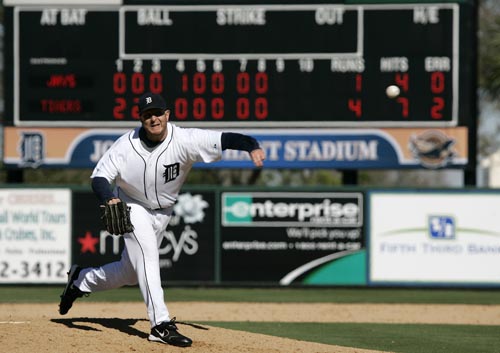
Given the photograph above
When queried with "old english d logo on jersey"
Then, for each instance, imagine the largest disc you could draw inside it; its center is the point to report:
(171, 172)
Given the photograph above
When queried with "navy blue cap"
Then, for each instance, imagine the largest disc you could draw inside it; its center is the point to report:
(151, 101)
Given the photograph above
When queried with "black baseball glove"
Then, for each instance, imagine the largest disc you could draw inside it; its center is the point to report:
(116, 218)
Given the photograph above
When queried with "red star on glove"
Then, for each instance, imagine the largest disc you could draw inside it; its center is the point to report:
(88, 243)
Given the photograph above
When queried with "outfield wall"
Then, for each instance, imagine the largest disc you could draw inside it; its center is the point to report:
(244, 236)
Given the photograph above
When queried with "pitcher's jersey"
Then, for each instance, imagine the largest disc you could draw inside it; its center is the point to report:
(153, 179)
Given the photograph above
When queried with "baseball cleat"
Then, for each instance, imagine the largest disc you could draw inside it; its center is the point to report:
(71, 293)
(166, 332)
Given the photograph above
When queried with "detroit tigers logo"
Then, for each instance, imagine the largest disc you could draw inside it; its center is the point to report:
(171, 172)
(149, 100)
(32, 149)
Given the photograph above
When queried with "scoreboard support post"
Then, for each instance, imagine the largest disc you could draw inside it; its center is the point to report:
(470, 172)
(349, 177)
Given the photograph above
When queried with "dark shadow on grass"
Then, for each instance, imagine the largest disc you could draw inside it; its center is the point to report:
(122, 325)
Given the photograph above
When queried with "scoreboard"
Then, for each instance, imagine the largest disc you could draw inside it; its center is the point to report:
(241, 64)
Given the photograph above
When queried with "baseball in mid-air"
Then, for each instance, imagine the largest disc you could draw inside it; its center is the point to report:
(392, 91)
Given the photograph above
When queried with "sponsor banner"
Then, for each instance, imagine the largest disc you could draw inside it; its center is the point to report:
(258, 209)
(293, 237)
(434, 238)
(294, 148)
(57, 147)
(187, 248)
(35, 228)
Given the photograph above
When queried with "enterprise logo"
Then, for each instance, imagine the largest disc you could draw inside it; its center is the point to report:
(292, 209)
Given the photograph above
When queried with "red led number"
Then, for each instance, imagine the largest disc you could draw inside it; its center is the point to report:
(402, 81)
(355, 106)
(243, 108)
(437, 87)
(436, 110)
(199, 83)
(243, 104)
(217, 83)
(156, 83)
(137, 83)
(135, 109)
(118, 110)
(185, 83)
(137, 86)
(243, 83)
(119, 83)
(181, 108)
(261, 83)
(261, 110)
(199, 108)
(217, 108)
(437, 82)
(404, 106)
(359, 82)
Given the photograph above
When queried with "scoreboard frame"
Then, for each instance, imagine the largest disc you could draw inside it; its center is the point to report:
(28, 103)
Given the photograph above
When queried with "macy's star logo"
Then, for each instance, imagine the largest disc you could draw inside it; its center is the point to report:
(88, 243)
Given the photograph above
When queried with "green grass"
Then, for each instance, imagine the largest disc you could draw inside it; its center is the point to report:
(30, 294)
(386, 337)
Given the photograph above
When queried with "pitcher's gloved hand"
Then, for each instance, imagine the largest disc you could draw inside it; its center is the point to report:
(116, 218)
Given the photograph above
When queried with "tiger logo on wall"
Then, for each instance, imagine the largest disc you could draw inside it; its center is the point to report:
(433, 149)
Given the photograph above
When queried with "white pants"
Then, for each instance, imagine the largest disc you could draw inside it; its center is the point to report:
(139, 263)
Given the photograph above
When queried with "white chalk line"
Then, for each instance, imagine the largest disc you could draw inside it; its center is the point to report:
(15, 322)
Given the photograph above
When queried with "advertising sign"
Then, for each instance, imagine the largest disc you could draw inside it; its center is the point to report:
(291, 148)
(187, 252)
(35, 229)
(187, 248)
(292, 237)
(92, 244)
(434, 238)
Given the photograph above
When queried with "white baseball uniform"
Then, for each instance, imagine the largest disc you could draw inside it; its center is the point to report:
(149, 180)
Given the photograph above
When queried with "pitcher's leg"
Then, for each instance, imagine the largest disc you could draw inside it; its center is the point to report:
(83, 281)
(110, 276)
(144, 256)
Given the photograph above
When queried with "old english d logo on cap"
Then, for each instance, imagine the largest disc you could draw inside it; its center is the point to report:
(151, 101)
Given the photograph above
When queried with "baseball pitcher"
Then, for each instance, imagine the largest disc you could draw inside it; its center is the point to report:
(137, 181)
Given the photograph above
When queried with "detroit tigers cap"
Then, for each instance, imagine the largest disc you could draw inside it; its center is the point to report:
(151, 101)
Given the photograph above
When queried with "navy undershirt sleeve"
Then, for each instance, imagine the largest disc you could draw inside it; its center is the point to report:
(102, 189)
(235, 141)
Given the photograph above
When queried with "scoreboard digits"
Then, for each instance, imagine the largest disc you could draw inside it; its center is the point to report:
(240, 65)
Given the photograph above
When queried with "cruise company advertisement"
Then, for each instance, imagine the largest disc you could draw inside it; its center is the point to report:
(435, 238)
(35, 235)
(287, 238)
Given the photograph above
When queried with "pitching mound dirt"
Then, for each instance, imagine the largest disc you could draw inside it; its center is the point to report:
(122, 327)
